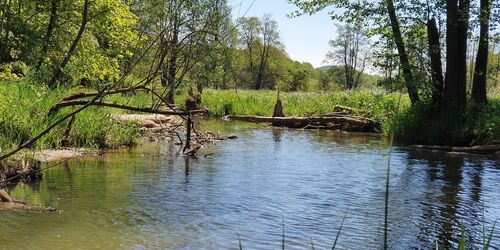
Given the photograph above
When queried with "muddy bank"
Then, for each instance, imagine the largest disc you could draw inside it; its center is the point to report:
(51, 155)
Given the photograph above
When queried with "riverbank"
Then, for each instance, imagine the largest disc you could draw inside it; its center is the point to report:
(24, 113)
(379, 106)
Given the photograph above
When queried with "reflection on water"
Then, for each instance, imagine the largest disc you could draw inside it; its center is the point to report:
(151, 198)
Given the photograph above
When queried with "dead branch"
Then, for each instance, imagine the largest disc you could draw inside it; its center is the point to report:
(80, 95)
(63, 104)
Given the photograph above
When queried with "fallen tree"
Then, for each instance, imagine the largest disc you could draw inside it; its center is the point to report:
(334, 122)
(479, 149)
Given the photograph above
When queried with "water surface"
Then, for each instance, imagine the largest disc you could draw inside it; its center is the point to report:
(307, 180)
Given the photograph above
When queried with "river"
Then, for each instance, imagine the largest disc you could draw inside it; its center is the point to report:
(246, 190)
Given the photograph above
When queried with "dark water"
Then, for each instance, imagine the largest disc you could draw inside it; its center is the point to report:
(306, 180)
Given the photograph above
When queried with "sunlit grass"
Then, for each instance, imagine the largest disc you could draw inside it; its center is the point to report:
(24, 113)
(251, 102)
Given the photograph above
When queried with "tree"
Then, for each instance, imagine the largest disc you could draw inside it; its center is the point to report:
(270, 37)
(41, 33)
(350, 49)
(357, 12)
(188, 26)
(250, 30)
(457, 21)
(435, 60)
(481, 69)
(216, 69)
(58, 70)
(403, 56)
(50, 31)
(258, 36)
(324, 79)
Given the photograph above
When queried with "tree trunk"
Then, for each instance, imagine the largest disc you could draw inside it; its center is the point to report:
(263, 61)
(72, 49)
(169, 69)
(403, 56)
(172, 64)
(278, 107)
(481, 69)
(50, 31)
(436, 64)
(189, 126)
(456, 53)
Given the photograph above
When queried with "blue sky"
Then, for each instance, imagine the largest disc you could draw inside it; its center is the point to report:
(305, 37)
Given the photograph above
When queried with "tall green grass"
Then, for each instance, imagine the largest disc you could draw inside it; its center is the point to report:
(426, 124)
(251, 102)
(23, 114)
(412, 124)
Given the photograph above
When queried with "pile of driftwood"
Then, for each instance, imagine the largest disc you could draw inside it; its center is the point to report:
(341, 119)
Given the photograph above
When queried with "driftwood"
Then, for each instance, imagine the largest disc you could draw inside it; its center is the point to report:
(15, 206)
(480, 149)
(5, 197)
(341, 122)
(349, 110)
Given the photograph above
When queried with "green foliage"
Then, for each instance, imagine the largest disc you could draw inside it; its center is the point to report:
(106, 43)
(13, 71)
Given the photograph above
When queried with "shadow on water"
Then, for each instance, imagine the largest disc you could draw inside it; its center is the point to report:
(452, 187)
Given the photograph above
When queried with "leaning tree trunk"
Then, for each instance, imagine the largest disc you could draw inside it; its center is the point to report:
(436, 65)
(481, 69)
(456, 53)
(403, 56)
(50, 31)
(72, 49)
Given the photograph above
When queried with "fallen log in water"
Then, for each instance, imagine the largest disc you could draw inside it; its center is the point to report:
(340, 122)
(15, 206)
(480, 149)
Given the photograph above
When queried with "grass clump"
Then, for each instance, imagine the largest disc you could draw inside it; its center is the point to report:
(23, 114)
